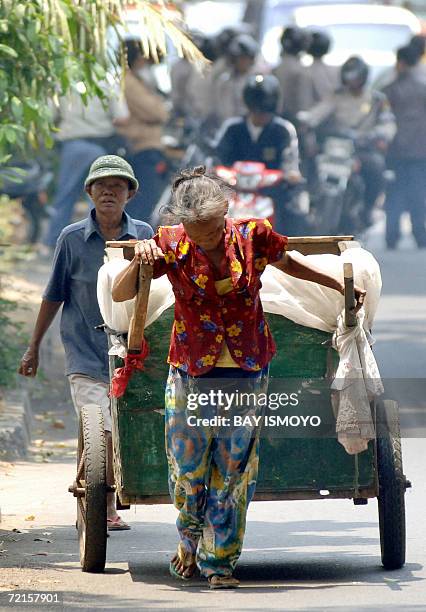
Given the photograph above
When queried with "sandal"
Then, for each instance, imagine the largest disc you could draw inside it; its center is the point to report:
(117, 524)
(223, 582)
(188, 561)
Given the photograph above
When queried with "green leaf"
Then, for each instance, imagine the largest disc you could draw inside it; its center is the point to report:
(10, 135)
(8, 51)
(17, 109)
(48, 141)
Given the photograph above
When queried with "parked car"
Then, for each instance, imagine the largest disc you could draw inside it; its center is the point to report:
(418, 7)
(211, 17)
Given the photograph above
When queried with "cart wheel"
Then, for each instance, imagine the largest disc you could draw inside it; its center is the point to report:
(91, 477)
(391, 486)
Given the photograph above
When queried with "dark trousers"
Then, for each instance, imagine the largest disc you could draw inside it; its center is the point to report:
(406, 192)
(372, 170)
(148, 168)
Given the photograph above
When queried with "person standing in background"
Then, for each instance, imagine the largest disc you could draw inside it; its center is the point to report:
(407, 153)
(86, 131)
(418, 45)
(143, 130)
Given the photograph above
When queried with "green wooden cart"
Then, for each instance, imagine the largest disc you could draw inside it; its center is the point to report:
(291, 468)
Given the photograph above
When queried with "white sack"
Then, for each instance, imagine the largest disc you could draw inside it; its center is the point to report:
(117, 315)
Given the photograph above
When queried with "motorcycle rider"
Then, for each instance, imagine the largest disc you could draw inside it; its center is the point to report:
(324, 79)
(293, 77)
(198, 90)
(191, 89)
(364, 115)
(227, 98)
(261, 135)
(223, 41)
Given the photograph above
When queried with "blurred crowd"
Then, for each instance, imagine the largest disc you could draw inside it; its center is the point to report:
(240, 109)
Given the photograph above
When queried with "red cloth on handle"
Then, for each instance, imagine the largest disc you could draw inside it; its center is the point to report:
(122, 375)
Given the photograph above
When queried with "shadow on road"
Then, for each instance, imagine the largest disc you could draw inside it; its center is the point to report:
(289, 564)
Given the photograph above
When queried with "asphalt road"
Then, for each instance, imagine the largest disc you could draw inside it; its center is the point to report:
(316, 556)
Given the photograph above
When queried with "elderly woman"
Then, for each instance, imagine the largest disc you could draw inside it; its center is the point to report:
(219, 335)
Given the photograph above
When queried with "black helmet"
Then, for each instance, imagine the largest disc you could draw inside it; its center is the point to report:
(243, 44)
(418, 44)
(319, 44)
(206, 44)
(408, 55)
(354, 72)
(261, 93)
(294, 40)
(224, 39)
(227, 35)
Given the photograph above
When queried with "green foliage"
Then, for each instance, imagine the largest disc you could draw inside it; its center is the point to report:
(49, 46)
(11, 346)
(44, 49)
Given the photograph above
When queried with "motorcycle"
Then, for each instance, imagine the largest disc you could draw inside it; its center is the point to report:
(258, 193)
(337, 186)
(29, 182)
(338, 197)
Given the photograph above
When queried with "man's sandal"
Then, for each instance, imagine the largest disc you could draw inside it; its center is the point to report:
(117, 524)
(223, 582)
(188, 561)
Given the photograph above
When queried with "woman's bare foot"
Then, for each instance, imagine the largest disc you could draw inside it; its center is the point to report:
(183, 564)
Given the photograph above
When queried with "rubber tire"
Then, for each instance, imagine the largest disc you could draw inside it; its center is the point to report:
(391, 502)
(93, 539)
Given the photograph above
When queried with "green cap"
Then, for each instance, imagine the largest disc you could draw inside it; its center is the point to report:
(111, 165)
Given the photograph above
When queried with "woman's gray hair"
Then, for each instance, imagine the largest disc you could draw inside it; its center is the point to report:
(197, 196)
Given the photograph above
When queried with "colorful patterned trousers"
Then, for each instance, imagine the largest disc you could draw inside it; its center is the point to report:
(212, 469)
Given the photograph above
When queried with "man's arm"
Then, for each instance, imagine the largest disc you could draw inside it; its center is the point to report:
(290, 155)
(318, 114)
(29, 361)
(294, 267)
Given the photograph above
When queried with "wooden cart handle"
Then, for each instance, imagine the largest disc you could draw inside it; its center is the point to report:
(350, 301)
(137, 322)
(120, 244)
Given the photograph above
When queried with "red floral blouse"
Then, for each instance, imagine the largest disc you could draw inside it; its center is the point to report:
(203, 319)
